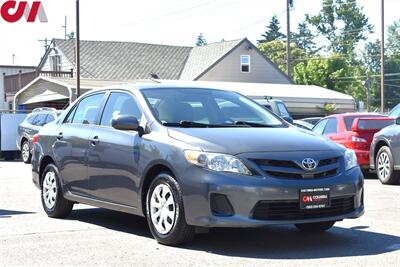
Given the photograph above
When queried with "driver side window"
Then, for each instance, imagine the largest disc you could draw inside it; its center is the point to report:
(119, 104)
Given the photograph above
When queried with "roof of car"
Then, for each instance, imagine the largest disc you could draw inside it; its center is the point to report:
(155, 85)
(355, 114)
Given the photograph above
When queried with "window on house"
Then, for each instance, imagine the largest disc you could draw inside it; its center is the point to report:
(55, 63)
(245, 63)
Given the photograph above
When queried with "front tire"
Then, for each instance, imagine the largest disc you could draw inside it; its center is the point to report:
(53, 201)
(315, 227)
(385, 167)
(165, 213)
(26, 152)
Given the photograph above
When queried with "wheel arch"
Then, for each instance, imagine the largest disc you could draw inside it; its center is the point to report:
(148, 176)
(381, 143)
(46, 160)
(22, 140)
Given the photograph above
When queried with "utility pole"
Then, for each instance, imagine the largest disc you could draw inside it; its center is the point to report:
(77, 52)
(13, 59)
(368, 84)
(288, 65)
(65, 28)
(46, 43)
(383, 56)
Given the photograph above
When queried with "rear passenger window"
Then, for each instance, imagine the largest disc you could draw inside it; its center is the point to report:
(119, 104)
(331, 126)
(39, 120)
(31, 118)
(88, 109)
(49, 118)
(319, 128)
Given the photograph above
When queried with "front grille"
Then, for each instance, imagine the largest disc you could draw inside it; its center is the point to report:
(325, 162)
(290, 169)
(277, 163)
(290, 210)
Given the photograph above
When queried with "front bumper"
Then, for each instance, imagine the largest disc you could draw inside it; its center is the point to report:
(245, 192)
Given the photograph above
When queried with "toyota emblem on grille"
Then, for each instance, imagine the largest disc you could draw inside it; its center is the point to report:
(309, 164)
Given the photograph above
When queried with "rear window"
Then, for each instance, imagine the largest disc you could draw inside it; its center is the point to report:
(374, 124)
(348, 121)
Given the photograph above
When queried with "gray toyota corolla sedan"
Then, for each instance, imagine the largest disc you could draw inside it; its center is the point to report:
(189, 159)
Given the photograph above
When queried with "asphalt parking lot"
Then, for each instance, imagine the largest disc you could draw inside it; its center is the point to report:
(92, 236)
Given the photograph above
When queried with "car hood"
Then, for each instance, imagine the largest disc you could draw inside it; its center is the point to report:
(246, 140)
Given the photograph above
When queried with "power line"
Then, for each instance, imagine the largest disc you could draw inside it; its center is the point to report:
(364, 76)
(393, 85)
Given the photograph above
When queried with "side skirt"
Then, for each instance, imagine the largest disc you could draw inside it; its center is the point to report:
(101, 204)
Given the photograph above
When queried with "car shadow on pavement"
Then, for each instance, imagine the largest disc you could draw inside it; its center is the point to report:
(9, 213)
(113, 220)
(286, 242)
(273, 242)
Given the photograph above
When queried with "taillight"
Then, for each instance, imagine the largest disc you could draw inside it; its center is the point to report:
(35, 138)
(358, 139)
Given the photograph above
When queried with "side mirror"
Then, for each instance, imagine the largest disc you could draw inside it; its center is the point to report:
(398, 121)
(125, 123)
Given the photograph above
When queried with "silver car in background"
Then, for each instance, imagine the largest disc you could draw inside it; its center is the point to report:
(31, 126)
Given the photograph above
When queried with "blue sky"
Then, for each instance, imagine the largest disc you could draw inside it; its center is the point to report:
(173, 22)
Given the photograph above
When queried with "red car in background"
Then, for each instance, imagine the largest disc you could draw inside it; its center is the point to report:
(354, 131)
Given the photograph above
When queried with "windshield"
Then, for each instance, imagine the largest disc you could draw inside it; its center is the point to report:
(187, 107)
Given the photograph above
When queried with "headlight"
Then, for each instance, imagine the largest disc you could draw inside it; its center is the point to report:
(216, 162)
(350, 159)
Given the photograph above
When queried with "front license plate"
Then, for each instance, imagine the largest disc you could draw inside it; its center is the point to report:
(314, 198)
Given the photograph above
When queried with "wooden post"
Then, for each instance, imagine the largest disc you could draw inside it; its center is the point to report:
(19, 80)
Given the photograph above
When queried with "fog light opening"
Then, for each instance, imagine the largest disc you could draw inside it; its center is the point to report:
(220, 205)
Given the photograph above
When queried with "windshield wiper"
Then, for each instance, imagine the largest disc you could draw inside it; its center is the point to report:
(193, 124)
(254, 124)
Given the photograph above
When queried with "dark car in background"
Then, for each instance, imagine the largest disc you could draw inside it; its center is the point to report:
(31, 126)
(354, 131)
(385, 154)
(189, 159)
(303, 125)
(312, 120)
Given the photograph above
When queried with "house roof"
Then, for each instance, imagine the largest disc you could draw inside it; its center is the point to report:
(126, 60)
(110, 60)
(202, 58)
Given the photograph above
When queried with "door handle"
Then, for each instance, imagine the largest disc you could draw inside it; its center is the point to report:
(60, 136)
(95, 140)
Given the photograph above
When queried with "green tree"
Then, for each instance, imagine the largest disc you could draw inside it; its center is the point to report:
(200, 41)
(372, 57)
(273, 31)
(304, 39)
(393, 39)
(342, 23)
(276, 52)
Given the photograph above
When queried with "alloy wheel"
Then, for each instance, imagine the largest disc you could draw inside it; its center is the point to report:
(384, 165)
(50, 189)
(25, 151)
(162, 209)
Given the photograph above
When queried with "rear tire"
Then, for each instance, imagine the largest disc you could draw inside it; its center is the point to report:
(165, 212)
(385, 167)
(315, 227)
(53, 201)
(26, 152)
